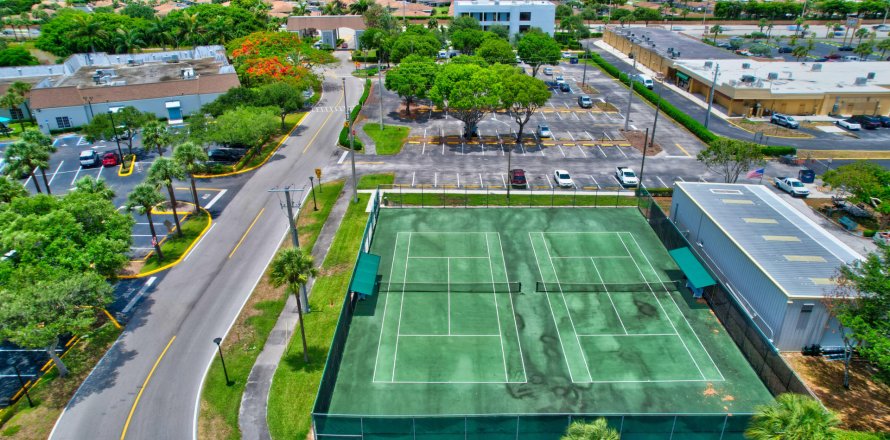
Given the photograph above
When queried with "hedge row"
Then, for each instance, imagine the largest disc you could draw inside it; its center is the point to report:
(691, 124)
(344, 133)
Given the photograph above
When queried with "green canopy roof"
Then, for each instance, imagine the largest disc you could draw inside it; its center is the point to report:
(365, 276)
(692, 268)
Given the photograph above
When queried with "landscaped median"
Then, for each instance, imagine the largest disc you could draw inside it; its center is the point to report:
(220, 403)
(372, 181)
(174, 246)
(389, 140)
(125, 170)
(353, 115)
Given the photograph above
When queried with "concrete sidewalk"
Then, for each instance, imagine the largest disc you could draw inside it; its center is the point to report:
(252, 414)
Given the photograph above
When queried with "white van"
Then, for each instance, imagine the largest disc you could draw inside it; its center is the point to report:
(645, 80)
(851, 58)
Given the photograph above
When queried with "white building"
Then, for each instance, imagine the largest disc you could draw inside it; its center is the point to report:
(518, 15)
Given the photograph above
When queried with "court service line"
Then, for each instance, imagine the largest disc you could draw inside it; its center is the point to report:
(671, 321)
(497, 311)
(604, 256)
(385, 302)
(553, 315)
(609, 295)
(395, 354)
(628, 335)
(680, 311)
(448, 288)
(568, 310)
(512, 309)
(451, 336)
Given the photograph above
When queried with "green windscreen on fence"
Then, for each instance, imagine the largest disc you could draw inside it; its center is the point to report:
(365, 276)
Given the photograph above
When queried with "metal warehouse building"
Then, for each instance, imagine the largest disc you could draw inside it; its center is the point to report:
(776, 262)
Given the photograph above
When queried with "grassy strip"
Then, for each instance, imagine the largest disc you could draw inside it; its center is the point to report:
(220, 403)
(389, 140)
(370, 181)
(296, 384)
(51, 393)
(518, 198)
(174, 246)
(858, 435)
(271, 145)
(344, 132)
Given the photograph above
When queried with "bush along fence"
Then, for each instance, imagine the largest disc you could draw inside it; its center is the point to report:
(344, 133)
(697, 128)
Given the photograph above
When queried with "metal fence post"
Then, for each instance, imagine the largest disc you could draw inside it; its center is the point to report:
(466, 197)
(530, 198)
(443, 197)
(574, 196)
(552, 195)
(421, 197)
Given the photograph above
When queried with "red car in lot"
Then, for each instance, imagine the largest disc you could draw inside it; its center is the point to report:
(110, 159)
(517, 178)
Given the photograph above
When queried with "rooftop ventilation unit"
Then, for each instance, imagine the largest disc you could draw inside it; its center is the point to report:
(187, 73)
(748, 78)
(709, 64)
(746, 65)
(871, 75)
(817, 67)
(772, 75)
(861, 81)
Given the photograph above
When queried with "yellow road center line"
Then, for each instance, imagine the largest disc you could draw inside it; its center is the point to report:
(322, 126)
(144, 384)
(682, 149)
(247, 232)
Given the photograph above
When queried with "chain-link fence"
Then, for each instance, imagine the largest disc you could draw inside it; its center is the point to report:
(396, 196)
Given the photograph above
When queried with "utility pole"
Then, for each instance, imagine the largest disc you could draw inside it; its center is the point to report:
(630, 93)
(351, 144)
(586, 56)
(380, 86)
(646, 143)
(295, 237)
(711, 95)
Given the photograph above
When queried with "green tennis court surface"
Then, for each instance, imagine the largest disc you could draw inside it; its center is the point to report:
(532, 311)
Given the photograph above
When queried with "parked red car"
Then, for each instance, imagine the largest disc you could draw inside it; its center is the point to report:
(517, 178)
(110, 159)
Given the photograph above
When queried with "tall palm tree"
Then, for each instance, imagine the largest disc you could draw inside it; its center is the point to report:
(88, 28)
(292, 268)
(12, 101)
(22, 159)
(143, 199)
(360, 6)
(861, 33)
(155, 136)
(158, 32)
(43, 147)
(25, 18)
(89, 185)
(598, 430)
(190, 28)
(162, 173)
(23, 90)
(334, 7)
(301, 9)
(128, 40)
(884, 46)
(190, 156)
(792, 417)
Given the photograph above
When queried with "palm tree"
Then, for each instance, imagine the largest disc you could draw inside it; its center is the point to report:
(188, 33)
(155, 136)
(128, 40)
(159, 32)
(716, 30)
(22, 158)
(190, 156)
(864, 50)
(598, 430)
(23, 90)
(360, 6)
(861, 33)
(301, 9)
(884, 46)
(334, 7)
(292, 268)
(162, 173)
(762, 24)
(25, 18)
(792, 416)
(800, 51)
(89, 185)
(13, 101)
(88, 28)
(143, 199)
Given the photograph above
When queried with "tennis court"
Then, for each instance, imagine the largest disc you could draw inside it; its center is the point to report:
(508, 313)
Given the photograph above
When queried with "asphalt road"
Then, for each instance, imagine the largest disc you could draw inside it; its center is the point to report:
(161, 358)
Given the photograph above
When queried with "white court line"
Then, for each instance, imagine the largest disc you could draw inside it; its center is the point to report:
(586, 257)
(54, 174)
(442, 258)
(215, 199)
(515, 324)
(496, 308)
(192, 251)
(75, 175)
(628, 335)
(385, 301)
(662, 309)
(451, 336)
(566, 304)
(609, 295)
(680, 311)
(448, 289)
(444, 382)
(395, 353)
(553, 315)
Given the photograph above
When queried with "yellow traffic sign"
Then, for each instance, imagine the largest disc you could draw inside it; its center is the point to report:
(318, 173)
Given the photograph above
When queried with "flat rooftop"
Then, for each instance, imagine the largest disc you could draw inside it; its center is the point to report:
(794, 77)
(502, 3)
(150, 72)
(660, 40)
(796, 253)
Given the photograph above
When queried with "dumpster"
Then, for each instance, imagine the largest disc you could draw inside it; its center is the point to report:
(806, 176)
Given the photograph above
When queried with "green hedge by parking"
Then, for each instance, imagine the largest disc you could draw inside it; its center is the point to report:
(344, 133)
(691, 124)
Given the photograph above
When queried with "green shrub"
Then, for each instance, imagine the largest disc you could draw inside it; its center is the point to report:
(869, 233)
(344, 133)
(596, 35)
(778, 150)
(658, 192)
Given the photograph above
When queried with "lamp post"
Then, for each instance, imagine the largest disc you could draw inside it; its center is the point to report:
(314, 203)
(116, 137)
(11, 362)
(217, 341)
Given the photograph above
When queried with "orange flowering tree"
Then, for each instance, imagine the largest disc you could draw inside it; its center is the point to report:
(264, 57)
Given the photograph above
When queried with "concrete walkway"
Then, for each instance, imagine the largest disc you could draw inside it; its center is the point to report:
(252, 415)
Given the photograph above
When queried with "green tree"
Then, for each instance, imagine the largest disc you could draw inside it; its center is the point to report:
(128, 40)
(716, 30)
(17, 56)
(861, 33)
(301, 9)
(11, 101)
(800, 51)
(467, 40)
(563, 11)
(292, 268)
(762, 24)
(99, 187)
(155, 137)
(34, 314)
(138, 10)
(415, 40)
(40, 146)
(502, 31)
(647, 15)
(90, 29)
(335, 7)
(190, 157)
(884, 46)
(144, 197)
(23, 91)
(412, 79)
(496, 51)
(730, 157)
(536, 48)
(283, 95)
(467, 92)
(864, 50)
(233, 98)
(379, 18)
(863, 182)
(522, 96)
(11, 189)
(792, 417)
(760, 50)
(465, 22)
(164, 172)
(575, 26)
(244, 127)
(128, 121)
(597, 430)
(360, 6)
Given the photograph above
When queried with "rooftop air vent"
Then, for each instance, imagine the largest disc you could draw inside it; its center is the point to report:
(817, 67)
(871, 75)
(709, 64)
(748, 78)
(772, 75)
(861, 81)
(746, 65)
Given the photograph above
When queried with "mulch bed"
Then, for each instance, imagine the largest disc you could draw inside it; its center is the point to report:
(636, 139)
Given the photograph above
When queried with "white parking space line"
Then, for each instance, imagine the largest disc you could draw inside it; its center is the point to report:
(594, 180)
(589, 137)
(703, 179)
(503, 181)
(607, 116)
(423, 149)
(56, 172)
(576, 116)
(567, 105)
(622, 153)
(100, 172)
(559, 115)
(214, 199)
(481, 183)
(458, 180)
(27, 180)
(342, 157)
(570, 136)
(591, 116)
(562, 151)
(633, 126)
(75, 176)
(680, 179)
(542, 115)
(435, 180)
(601, 150)
(662, 182)
(413, 176)
(82, 141)
(581, 149)
(547, 178)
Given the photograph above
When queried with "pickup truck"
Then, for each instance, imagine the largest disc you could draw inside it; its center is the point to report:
(792, 186)
(626, 176)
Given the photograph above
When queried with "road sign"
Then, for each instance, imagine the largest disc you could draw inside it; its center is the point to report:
(357, 64)
(318, 173)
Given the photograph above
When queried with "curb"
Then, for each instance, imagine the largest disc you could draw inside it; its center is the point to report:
(181, 257)
(122, 173)
(730, 122)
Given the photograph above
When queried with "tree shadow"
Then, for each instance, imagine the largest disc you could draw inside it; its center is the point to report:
(293, 358)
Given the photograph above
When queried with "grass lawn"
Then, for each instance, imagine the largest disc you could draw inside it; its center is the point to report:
(389, 140)
(770, 129)
(517, 198)
(52, 393)
(175, 245)
(271, 145)
(220, 403)
(295, 383)
(16, 128)
(370, 181)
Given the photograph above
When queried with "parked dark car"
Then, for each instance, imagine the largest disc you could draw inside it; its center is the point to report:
(784, 120)
(834, 56)
(225, 155)
(885, 121)
(564, 87)
(821, 60)
(786, 49)
(846, 48)
(867, 122)
(517, 178)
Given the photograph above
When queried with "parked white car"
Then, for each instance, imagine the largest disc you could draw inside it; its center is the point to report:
(563, 179)
(560, 79)
(544, 131)
(548, 71)
(849, 124)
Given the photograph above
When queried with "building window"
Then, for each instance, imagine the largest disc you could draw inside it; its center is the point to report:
(504, 16)
(491, 16)
(525, 16)
(477, 16)
(524, 28)
(16, 114)
(63, 122)
(464, 14)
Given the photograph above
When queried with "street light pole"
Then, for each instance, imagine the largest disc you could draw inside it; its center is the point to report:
(380, 86)
(314, 203)
(711, 95)
(116, 137)
(18, 374)
(351, 144)
(586, 56)
(630, 92)
(217, 341)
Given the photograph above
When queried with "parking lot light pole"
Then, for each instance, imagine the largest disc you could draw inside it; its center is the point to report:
(711, 95)
(314, 203)
(630, 93)
(217, 341)
(586, 57)
(116, 137)
(18, 374)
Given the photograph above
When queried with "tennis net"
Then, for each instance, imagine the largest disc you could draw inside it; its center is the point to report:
(514, 287)
(541, 286)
